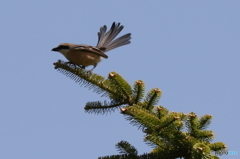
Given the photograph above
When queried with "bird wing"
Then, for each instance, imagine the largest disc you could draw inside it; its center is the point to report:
(90, 49)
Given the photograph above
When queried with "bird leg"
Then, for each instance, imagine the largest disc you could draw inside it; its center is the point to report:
(90, 71)
(82, 67)
(71, 63)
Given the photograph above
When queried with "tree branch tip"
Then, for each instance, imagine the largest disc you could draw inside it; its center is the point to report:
(123, 109)
(176, 117)
(159, 108)
(55, 64)
(112, 74)
(192, 115)
(139, 82)
(157, 90)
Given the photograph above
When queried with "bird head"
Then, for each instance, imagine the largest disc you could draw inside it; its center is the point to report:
(63, 48)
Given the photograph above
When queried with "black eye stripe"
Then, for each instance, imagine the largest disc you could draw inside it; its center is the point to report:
(63, 47)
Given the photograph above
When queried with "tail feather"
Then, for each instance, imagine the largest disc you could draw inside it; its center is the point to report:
(123, 40)
(112, 33)
(105, 40)
(101, 35)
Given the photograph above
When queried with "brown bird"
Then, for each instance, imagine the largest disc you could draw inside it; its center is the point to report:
(85, 55)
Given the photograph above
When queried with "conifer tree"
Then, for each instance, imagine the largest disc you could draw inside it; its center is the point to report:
(172, 134)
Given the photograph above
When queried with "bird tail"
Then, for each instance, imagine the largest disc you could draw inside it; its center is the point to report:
(106, 41)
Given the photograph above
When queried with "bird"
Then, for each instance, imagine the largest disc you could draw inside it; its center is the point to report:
(85, 55)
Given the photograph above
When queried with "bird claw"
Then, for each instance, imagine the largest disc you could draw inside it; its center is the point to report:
(89, 71)
(75, 65)
(81, 66)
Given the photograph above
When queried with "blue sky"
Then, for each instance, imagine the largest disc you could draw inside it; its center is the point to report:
(188, 49)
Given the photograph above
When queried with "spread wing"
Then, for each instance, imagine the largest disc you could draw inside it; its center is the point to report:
(90, 49)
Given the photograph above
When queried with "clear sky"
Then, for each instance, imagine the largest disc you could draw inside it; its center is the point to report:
(188, 49)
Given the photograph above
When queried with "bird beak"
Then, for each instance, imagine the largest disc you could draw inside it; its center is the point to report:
(55, 49)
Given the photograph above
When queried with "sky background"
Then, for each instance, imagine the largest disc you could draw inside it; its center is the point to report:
(188, 49)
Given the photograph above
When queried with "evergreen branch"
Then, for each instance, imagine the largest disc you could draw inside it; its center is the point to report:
(120, 84)
(205, 121)
(168, 128)
(195, 127)
(204, 135)
(125, 148)
(166, 155)
(170, 152)
(103, 107)
(168, 132)
(163, 128)
(154, 140)
(192, 124)
(96, 82)
(201, 151)
(140, 117)
(170, 136)
(168, 120)
(138, 91)
(152, 98)
(116, 157)
(160, 111)
(179, 148)
(217, 146)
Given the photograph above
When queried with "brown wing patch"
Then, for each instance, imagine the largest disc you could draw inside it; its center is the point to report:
(90, 49)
